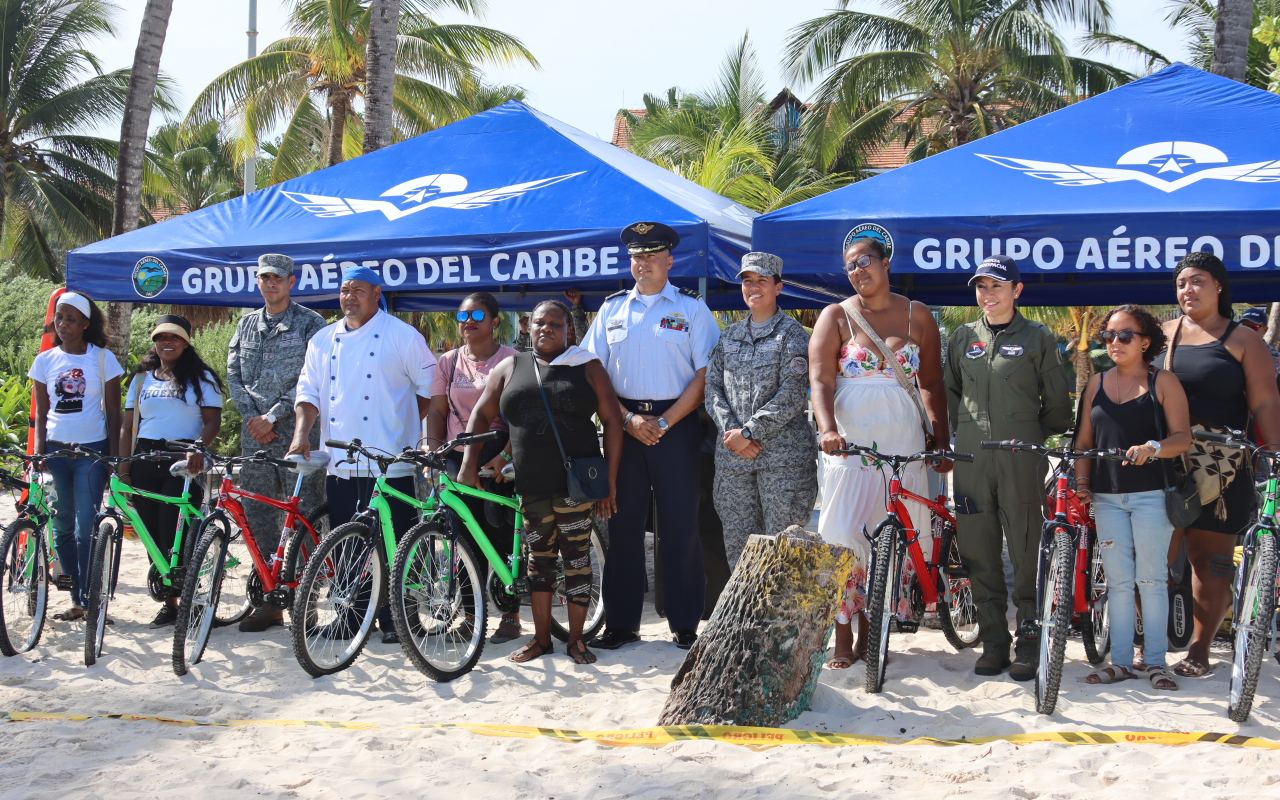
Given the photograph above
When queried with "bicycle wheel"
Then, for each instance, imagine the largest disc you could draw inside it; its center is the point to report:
(1253, 629)
(200, 594)
(595, 606)
(1095, 626)
(958, 612)
(237, 568)
(1055, 619)
(301, 544)
(881, 603)
(337, 600)
(102, 576)
(438, 602)
(24, 587)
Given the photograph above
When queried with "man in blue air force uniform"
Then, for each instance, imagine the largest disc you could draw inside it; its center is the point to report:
(655, 340)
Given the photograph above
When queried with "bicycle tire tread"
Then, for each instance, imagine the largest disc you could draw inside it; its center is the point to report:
(198, 553)
(1064, 554)
(877, 632)
(298, 613)
(42, 605)
(1255, 641)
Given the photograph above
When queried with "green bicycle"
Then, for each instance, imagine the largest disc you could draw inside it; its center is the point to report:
(437, 594)
(1254, 586)
(26, 546)
(167, 574)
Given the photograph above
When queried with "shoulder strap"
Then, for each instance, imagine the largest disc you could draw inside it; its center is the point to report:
(908, 321)
(102, 373)
(550, 417)
(448, 389)
(885, 355)
(1168, 354)
(848, 319)
(137, 410)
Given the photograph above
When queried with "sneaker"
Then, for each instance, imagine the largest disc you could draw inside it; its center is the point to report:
(167, 615)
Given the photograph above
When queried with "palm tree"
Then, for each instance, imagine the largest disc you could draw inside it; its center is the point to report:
(324, 64)
(191, 172)
(723, 140)
(935, 74)
(1232, 33)
(381, 58)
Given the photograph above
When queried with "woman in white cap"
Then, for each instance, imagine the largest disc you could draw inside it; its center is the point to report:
(178, 397)
(80, 404)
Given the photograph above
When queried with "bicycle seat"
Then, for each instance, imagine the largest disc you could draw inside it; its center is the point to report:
(319, 460)
(178, 469)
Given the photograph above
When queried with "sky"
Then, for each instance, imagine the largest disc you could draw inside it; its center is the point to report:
(596, 56)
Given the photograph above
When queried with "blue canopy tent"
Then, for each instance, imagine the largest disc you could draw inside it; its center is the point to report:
(1096, 201)
(508, 201)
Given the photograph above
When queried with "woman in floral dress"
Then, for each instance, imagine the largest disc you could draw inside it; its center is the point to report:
(857, 400)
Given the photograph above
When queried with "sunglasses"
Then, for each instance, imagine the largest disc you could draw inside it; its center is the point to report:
(1125, 337)
(861, 262)
(475, 316)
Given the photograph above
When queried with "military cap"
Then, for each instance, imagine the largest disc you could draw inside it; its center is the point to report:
(762, 264)
(1002, 268)
(649, 237)
(275, 264)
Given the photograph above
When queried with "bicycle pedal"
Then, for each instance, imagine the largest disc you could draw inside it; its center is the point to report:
(956, 571)
(908, 627)
(64, 583)
(521, 586)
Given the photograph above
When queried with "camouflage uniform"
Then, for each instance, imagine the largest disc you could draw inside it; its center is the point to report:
(263, 364)
(762, 384)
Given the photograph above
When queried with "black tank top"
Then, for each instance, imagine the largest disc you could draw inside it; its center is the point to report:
(1214, 381)
(1124, 425)
(539, 469)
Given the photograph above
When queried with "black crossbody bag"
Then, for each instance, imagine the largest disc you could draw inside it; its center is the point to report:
(587, 478)
(1182, 499)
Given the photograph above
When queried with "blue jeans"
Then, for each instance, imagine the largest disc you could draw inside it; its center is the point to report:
(1133, 538)
(78, 482)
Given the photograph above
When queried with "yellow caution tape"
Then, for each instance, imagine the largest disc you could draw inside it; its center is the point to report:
(755, 738)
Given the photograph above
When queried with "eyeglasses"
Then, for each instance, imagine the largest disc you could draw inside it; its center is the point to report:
(861, 262)
(475, 316)
(1124, 336)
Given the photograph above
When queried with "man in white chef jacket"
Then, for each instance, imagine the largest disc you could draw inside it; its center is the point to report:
(367, 377)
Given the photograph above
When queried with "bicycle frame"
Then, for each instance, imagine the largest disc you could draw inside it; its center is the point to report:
(1077, 516)
(35, 508)
(119, 507)
(229, 497)
(448, 492)
(897, 508)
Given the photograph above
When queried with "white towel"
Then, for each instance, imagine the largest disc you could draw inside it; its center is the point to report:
(574, 356)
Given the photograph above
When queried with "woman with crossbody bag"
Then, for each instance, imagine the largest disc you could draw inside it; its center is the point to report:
(548, 396)
(79, 404)
(875, 371)
(459, 380)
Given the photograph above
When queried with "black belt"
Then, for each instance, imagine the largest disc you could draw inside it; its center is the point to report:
(646, 406)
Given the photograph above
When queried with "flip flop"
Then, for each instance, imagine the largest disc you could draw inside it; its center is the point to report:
(71, 614)
(1109, 675)
(1190, 668)
(581, 655)
(527, 652)
(1157, 675)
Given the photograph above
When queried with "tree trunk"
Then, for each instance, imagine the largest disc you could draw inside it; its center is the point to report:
(1083, 363)
(380, 73)
(338, 128)
(1231, 35)
(127, 206)
(1273, 326)
(1082, 319)
(758, 660)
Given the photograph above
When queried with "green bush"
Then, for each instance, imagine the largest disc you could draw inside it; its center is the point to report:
(22, 309)
(212, 343)
(15, 411)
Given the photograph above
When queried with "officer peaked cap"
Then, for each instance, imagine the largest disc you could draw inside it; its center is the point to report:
(649, 237)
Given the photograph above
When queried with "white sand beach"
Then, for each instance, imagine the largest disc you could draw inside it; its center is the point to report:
(930, 691)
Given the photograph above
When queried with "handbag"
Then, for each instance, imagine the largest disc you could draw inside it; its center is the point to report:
(1212, 468)
(1182, 498)
(887, 357)
(587, 478)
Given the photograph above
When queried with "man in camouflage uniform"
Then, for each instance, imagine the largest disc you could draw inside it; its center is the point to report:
(263, 363)
(757, 390)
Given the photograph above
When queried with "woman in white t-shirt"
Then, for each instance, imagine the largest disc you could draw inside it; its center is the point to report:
(179, 397)
(459, 380)
(80, 404)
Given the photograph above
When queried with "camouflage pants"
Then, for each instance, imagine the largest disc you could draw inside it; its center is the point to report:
(552, 526)
(276, 482)
(764, 502)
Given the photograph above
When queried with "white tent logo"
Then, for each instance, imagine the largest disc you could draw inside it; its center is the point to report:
(1181, 159)
(444, 190)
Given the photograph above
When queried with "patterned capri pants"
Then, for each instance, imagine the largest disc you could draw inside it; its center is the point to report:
(551, 526)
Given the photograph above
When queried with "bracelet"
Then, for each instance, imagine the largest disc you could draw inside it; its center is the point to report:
(507, 456)
(627, 419)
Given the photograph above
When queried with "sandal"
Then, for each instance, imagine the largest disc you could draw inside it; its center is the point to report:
(1190, 668)
(508, 630)
(843, 662)
(580, 655)
(1160, 675)
(1106, 675)
(71, 614)
(534, 649)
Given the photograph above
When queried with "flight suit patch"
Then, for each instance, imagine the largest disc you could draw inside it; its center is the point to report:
(1011, 350)
(976, 350)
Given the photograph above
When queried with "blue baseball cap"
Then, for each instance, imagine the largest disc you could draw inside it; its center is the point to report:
(1258, 316)
(1002, 268)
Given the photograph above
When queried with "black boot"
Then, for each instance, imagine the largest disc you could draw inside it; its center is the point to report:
(994, 659)
(1026, 658)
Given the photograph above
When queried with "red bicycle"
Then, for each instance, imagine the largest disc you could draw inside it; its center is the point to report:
(946, 579)
(1089, 605)
(215, 565)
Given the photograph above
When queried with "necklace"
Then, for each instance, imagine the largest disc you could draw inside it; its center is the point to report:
(1125, 393)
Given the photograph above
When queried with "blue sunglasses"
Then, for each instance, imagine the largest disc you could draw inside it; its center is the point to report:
(475, 316)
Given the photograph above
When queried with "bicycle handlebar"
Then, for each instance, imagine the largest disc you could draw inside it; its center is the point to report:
(1065, 453)
(928, 455)
(260, 457)
(1210, 436)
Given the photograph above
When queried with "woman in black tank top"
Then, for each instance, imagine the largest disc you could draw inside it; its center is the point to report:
(576, 387)
(1229, 376)
(1142, 411)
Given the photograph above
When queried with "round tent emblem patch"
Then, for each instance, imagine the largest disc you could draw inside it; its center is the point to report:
(150, 276)
(870, 230)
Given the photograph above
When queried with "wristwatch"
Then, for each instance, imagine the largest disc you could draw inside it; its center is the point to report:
(1156, 445)
(270, 417)
(746, 434)
(662, 423)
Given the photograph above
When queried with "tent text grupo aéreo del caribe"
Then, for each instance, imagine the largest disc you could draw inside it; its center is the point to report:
(507, 201)
(1097, 201)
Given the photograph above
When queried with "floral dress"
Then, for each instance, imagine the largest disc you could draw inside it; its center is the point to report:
(873, 410)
